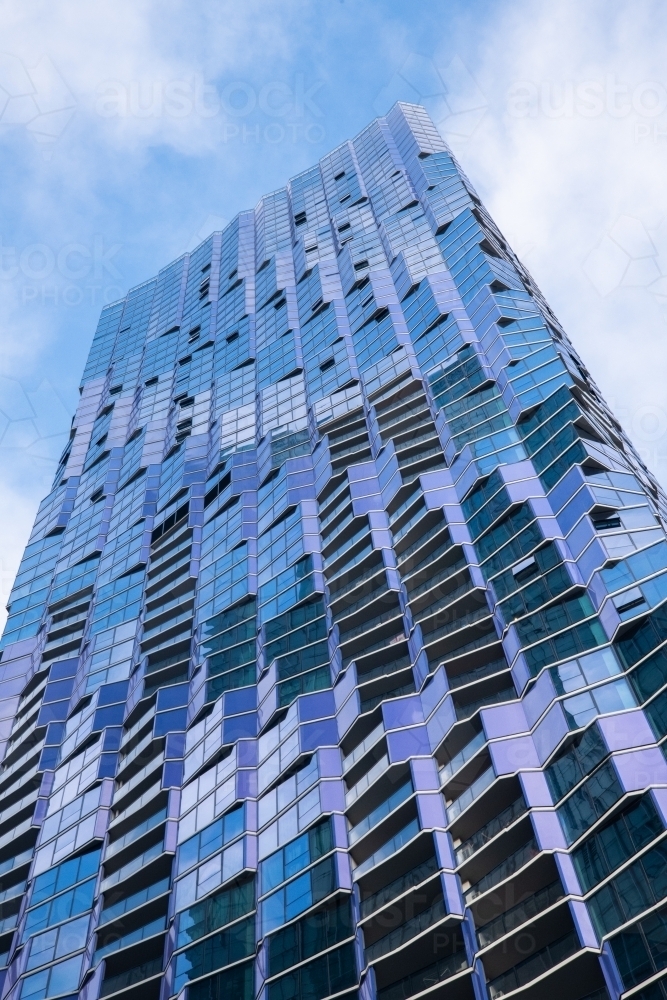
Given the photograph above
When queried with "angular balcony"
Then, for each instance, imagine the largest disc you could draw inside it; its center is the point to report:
(366, 781)
(409, 416)
(387, 850)
(343, 533)
(337, 519)
(413, 927)
(369, 704)
(146, 977)
(146, 832)
(491, 829)
(383, 618)
(385, 817)
(417, 875)
(433, 981)
(483, 809)
(435, 574)
(454, 765)
(348, 547)
(413, 463)
(470, 631)
(361, 609)
(521, 914)
(535, 966)
(477, 788)
(447, 604)
(393, 642)
(477, 673)
(416, 555)
(333, 508)
(508, 867)
(119, 943)
(356, 755)
(497, 693)
(351, 455)
(151, 865)
(347, 587)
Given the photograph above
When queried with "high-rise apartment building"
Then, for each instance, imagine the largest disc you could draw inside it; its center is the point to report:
(336, 664)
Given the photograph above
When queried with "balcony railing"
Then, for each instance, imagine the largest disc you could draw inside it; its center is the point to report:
(137, 831)
(534, 966)
(485, 670)
(425, 978)
(140, 934)
(416, 439)
(133, 866)
(490, 829)
(132, 976)
(348, 452)
(12, 892)
(334, 498)
(16, 861)
(422, 409)
(457, 762)
(399, 533)
(360, 750)
(354, 581)
(356, 558)
(363, 602)
(348, 519)
(366, 780)
(465, 711)
(334, 511)
(386, 615)
(471, 618)
(404, 463)
(400, 885)
(456, 807)
(136, 899)
(422, 540)
(380, 812)
(410, 929)
(435, 578)
(444, 601)
(502, 871)
(402, 507)
(8, 923)
(520, 913)
(368, 704)
(391, 640)
(384, 669)
(393, 845)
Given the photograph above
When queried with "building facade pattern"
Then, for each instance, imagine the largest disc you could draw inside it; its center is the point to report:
(335, 664)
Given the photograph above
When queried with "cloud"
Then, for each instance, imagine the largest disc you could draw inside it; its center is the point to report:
(448, 91)
(570, 160)
(37, 98)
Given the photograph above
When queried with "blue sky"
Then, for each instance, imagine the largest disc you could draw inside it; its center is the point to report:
(129, 130)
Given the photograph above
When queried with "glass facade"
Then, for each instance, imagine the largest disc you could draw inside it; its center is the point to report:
(336, 664)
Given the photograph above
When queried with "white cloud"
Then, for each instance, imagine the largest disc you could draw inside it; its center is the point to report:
(583, 185)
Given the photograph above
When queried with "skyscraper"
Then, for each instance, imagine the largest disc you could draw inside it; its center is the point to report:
(335, 663)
